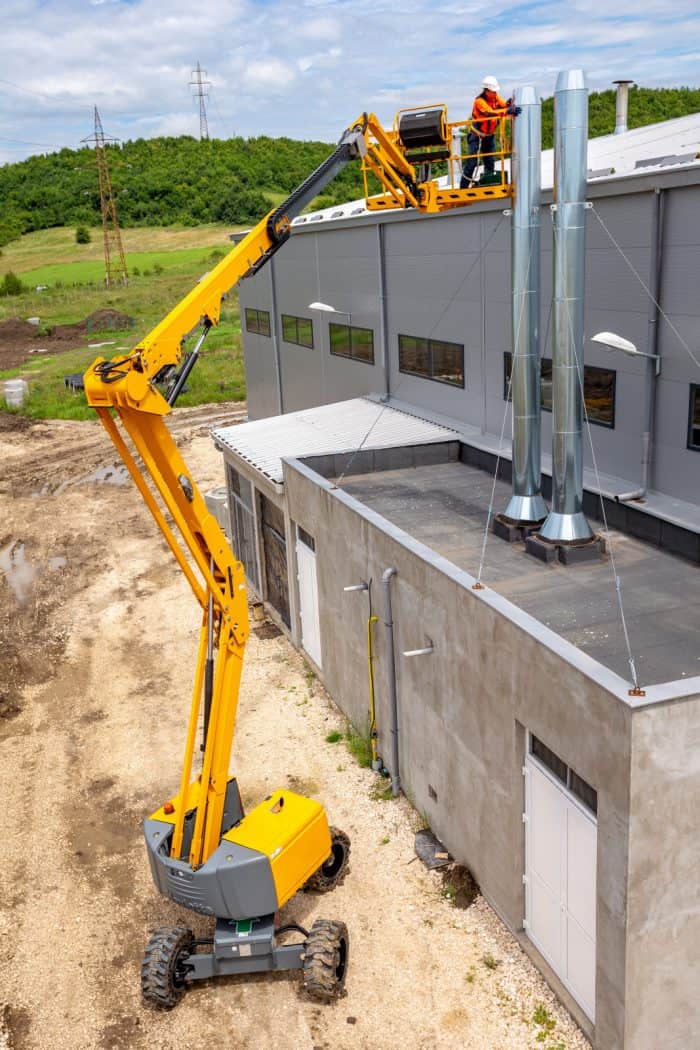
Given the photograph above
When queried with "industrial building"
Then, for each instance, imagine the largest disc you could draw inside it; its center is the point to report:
(552, 745)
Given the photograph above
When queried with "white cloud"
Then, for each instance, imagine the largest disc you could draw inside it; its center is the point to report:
(285, 67)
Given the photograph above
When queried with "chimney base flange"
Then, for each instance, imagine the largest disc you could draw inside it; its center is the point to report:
(512, 531)
(573, 553)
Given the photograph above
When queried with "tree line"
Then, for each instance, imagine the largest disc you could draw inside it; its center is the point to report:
(164, 181)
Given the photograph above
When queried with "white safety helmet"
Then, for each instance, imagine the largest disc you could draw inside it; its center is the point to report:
(491, 84)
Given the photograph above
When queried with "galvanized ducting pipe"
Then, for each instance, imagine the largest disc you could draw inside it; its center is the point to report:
(622, 105)
(566, 522)
(391, 670)
(526, 504)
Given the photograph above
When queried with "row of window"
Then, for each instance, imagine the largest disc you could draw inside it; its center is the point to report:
(598, 389)
(443, 362)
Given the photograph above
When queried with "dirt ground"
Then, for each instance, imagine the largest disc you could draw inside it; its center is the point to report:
(97, 642)
(20, 340)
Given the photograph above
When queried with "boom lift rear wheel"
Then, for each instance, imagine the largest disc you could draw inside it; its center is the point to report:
(332, 871)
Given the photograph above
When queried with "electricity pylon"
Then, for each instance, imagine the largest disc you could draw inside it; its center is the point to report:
(115, 262)
(202, 93)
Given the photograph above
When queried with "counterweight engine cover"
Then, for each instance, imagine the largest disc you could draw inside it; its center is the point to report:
(425, 127)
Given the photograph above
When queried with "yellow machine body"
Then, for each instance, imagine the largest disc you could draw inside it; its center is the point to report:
(293, 832)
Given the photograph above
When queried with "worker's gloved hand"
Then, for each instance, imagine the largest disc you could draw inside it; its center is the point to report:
(514, 111)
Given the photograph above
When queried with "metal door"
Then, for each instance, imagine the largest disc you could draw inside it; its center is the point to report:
(308, 595)
(560, 879)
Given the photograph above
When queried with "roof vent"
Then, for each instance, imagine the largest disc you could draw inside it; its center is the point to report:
(599, 173)
(671, 159)
(622, 104)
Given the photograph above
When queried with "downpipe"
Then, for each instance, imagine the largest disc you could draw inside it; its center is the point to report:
(393, 698)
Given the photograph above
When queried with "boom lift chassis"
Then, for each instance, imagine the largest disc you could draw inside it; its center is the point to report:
(204, 852)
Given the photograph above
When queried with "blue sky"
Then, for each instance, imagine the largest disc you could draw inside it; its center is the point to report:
(306, 68)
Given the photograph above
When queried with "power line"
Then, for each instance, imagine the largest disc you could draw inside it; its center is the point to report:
(23, 142)
(202, 93)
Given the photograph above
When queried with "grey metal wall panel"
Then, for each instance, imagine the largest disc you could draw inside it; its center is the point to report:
(437, 286)
(258, 351)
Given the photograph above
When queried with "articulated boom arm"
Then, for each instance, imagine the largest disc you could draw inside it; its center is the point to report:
(124, 390)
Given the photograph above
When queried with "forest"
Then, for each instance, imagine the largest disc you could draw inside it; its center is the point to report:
(162, 181)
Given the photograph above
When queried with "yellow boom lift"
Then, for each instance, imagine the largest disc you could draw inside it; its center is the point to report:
(204, 852)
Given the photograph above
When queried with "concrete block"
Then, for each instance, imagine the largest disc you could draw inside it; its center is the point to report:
(576, 554)
(540, 548)
(393, 458)
(680, 541)
(424, 455)
(505, 529)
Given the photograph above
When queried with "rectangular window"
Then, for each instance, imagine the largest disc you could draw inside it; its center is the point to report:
(576, 784)
(257, 321)
(299, 330)
(432, 359)
(598, 389)
(306, 538)
(694, 418)
(348, 341)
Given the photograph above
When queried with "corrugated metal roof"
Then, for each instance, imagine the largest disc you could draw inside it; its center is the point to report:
(656, 147)
(342, 427)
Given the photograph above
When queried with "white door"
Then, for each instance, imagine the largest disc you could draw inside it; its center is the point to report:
(560, 879)
(308, 595)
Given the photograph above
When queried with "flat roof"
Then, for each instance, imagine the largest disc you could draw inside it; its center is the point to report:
(444, 506)
(348, 426)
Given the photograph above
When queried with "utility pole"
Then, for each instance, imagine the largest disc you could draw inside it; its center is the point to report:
(115, 262)
(202, 93)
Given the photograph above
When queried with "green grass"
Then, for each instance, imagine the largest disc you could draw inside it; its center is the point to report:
(334, 737)
(91, 271)
(359, 746)
(218, 376)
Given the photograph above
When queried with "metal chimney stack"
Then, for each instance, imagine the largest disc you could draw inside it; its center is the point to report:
(566, 522)
(622, 105)
(526, 504)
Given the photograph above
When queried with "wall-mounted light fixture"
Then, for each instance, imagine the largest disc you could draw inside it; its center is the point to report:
(327, 309)
(420, 652)
(611, 341)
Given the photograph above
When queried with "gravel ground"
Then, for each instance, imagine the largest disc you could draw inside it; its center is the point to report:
(98, 659)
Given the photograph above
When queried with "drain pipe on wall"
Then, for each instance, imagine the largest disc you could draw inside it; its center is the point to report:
(393, 698)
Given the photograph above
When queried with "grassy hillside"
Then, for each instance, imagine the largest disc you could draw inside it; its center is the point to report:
(163, 181)
(178, 258)
(646, 106)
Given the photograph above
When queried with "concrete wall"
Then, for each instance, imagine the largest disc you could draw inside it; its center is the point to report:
(663, 936)
(448, 277)
(464, 711)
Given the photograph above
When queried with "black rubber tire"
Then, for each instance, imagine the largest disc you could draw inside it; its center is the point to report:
(332, 871)
(326, 960)
(162, 977)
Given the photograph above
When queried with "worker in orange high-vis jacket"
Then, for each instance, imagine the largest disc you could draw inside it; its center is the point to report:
(487, 110)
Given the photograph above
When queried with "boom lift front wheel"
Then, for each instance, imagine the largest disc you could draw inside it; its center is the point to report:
(164, 970)
(326, 960)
